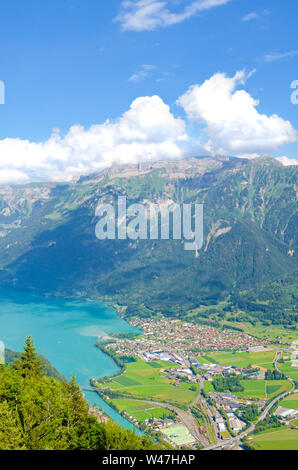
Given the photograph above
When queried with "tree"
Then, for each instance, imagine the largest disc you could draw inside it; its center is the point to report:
(41, 413)
(29, 364)
(10, 430)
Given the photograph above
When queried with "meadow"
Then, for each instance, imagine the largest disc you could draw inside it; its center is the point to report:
(145, 379)
(240, 359)
(271, 332)
(288, 370)
(290, 402)
(208, 387)
(285, 439)
(141, 410)
(263, 389)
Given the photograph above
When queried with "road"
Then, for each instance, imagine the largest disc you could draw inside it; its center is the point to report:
(266, 411)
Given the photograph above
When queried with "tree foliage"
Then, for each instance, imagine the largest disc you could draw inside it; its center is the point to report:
(40, 413)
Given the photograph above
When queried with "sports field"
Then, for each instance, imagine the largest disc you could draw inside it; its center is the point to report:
(285, 439)
(141, 411)
(240, 359)
(145, 379)
(178, 434)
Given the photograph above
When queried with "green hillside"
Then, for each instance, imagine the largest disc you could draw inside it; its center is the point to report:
(40, 413)
(246, 270)
(50, 371)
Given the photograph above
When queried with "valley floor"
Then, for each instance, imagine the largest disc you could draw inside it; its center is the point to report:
(170, 389)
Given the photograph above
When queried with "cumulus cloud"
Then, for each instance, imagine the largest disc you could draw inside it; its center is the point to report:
(147, 131)
(286, 161)
(147, 15)
(231, 119)
(229, 124)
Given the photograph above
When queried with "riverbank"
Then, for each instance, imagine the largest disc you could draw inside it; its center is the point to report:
(64, 331)
(101, 345)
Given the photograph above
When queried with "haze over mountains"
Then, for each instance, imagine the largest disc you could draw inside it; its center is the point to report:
(246, 267)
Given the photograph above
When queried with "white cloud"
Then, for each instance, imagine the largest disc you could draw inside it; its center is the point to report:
(147, 131)
(249, 156)
(231, 119)
(138, 76)
(148, 67)
(286, 161)
(254, 15)
(147, 15)
(250, 16)
(276, 56)
(142, 74)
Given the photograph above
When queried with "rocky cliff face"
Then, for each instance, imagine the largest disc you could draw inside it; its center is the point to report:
(48, 243)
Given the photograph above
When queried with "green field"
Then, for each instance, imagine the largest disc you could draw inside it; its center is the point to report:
(290, 402)
(145, 379)
(272, 332)
(257, 388)
(141, 411)
(240, 359)
(288, 370)
(208, 387)
(286, 439)
(178, 434)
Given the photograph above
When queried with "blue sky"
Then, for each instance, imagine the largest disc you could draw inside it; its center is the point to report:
(69, 62)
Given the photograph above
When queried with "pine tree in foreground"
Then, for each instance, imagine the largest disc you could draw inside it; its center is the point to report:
(41, 413)
(29, 363)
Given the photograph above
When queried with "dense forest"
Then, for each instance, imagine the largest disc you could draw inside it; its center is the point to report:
(38, 412)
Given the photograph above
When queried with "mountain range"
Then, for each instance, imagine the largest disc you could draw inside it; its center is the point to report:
(246, 269)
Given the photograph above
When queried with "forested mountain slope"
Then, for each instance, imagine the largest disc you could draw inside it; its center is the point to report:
(40, 413)
(248, 261)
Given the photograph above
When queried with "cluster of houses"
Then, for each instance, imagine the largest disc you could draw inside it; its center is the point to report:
(159, 424)
(99, 414)
(185, 336)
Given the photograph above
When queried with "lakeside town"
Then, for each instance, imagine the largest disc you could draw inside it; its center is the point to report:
(180, 338)
(215, 415)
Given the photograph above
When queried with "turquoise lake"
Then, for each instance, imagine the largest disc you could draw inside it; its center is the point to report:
(64, 331)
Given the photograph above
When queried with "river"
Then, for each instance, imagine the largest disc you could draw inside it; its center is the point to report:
(64, 331)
